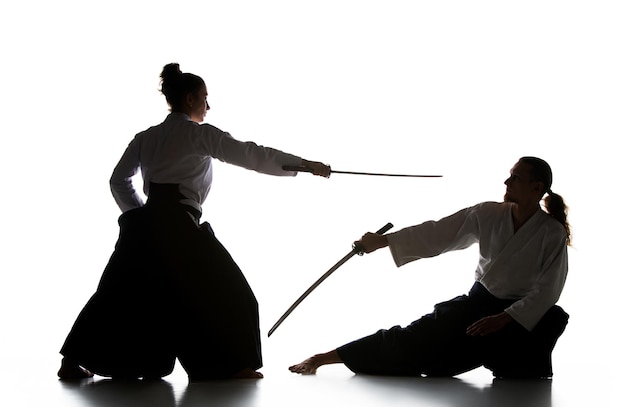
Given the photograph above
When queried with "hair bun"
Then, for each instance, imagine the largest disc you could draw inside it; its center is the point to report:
(176, 85)
(171, 72)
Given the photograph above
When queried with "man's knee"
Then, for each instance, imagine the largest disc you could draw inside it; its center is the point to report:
(524, 354)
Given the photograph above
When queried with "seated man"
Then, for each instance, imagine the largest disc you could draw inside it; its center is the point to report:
(508, 322)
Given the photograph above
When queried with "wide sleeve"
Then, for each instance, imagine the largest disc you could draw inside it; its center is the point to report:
(429, 239)
(121, 184)
(222, 146)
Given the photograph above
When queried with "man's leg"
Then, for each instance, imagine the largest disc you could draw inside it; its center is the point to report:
(410, 350)
(310, 365)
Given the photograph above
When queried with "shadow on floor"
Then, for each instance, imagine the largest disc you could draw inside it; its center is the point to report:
(454, 392)
(312, 391)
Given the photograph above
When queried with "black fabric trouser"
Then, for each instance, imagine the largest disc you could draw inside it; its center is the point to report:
(170, 290)
(437, 343)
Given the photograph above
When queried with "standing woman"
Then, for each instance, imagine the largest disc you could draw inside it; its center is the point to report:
(170, 289)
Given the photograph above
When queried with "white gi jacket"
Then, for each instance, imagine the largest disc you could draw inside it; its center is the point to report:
(529, 266)
(180, 151)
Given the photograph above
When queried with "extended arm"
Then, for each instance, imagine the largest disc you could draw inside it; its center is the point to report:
(252, 156)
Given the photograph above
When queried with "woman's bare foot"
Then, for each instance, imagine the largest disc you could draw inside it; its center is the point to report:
(248, 374)
(72, 371)
(310, 365)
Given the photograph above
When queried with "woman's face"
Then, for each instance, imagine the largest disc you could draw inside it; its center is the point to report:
(198, 105)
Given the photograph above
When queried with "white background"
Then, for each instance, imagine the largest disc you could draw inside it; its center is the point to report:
(457, 88)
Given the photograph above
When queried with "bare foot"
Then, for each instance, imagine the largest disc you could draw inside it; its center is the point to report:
(248, 374)
(72, 371)
(310, 365)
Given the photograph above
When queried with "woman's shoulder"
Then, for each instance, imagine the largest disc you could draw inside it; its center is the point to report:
(207, 127)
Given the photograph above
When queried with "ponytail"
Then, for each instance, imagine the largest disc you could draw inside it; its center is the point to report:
(556, 207)
(554, 204)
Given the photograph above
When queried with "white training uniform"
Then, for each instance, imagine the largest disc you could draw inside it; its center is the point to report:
(171, 290)
(180, 151)
(529, 265)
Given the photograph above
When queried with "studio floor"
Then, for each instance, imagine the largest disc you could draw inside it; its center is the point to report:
(34, 384)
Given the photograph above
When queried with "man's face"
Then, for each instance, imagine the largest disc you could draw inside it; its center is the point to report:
(520, 188)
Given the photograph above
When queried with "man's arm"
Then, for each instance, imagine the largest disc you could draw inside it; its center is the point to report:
(489, 325)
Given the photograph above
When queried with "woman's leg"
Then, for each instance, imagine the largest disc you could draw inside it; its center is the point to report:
(124, 330)
(217, 334)
(70, 370)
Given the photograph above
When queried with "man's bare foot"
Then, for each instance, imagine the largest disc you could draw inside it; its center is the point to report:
(310, 365)
(248, 374)
(72, 371)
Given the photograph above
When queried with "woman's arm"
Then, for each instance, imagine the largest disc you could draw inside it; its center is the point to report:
(121, 184)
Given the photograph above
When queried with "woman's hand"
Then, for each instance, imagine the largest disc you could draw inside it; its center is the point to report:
(489, 325)
(317, 168)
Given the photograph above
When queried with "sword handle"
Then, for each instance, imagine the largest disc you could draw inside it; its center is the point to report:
(384, 228)
(359, 249)
(297, 168)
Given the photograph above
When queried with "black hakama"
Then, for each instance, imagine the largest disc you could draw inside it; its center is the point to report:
(437, 343)
(170, 290)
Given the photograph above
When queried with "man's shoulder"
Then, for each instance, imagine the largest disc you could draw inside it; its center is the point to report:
(490, 211)
(493, 206)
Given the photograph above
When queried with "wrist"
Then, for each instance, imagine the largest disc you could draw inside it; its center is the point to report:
(506, 318)
(383, 241)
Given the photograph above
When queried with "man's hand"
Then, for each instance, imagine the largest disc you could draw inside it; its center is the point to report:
(489, 325)
(371, 242)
